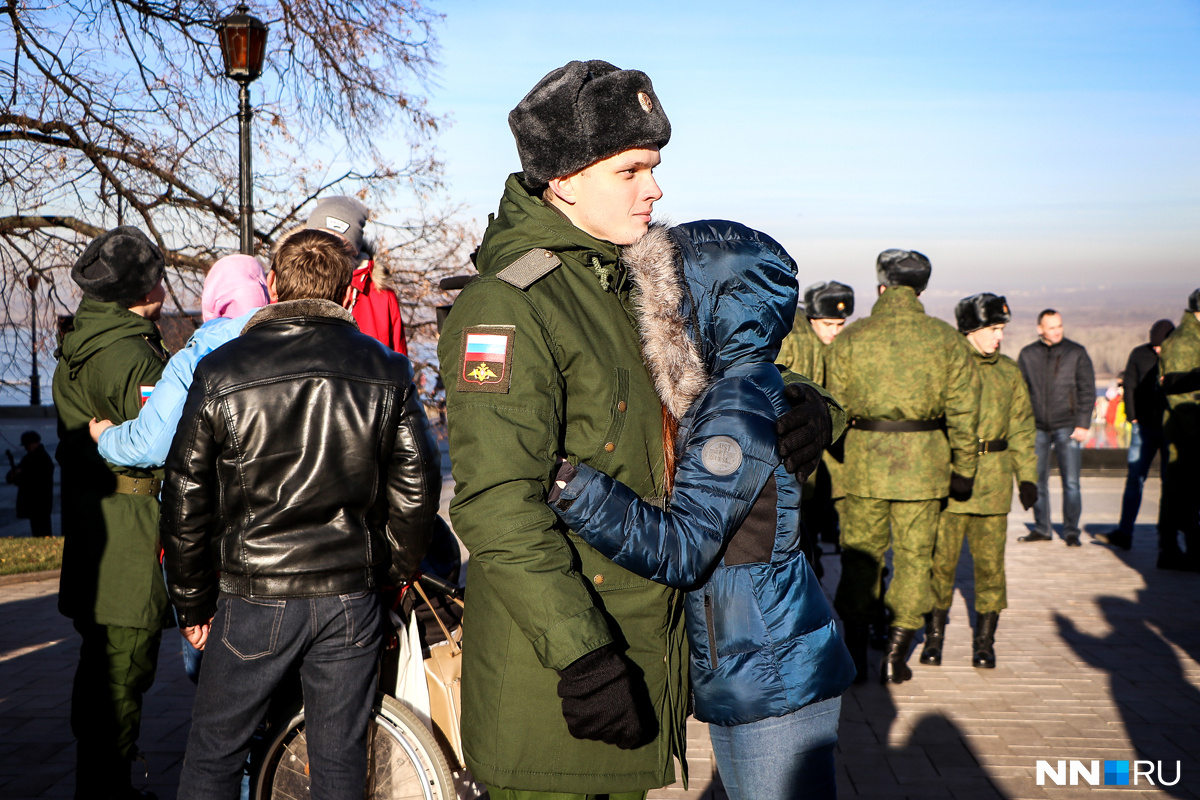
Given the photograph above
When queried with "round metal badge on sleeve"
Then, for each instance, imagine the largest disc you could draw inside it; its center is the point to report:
(721, 455)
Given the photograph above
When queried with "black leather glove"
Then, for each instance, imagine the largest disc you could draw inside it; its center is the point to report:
(805, 431)
(1028, 493)
(598, 699)
(566, 473)
(961, 487)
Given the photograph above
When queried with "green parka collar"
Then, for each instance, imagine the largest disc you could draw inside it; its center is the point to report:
(898, 300)
(980, 357)
(525, 221)
(97, 326)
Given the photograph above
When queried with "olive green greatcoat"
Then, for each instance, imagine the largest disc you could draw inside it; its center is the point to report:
(538, 596)
(1179, 370)
(901, 364)
(1005, 412)
(110, 569)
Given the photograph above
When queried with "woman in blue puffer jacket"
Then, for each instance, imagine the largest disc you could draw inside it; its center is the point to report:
(768, 665)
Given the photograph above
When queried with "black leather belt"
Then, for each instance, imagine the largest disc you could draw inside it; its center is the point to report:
(993, 446)
(898, 425)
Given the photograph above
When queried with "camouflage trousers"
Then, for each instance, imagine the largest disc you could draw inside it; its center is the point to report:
(985, 535)
(867, 526)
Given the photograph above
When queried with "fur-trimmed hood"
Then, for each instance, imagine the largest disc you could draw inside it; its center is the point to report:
(712, 294)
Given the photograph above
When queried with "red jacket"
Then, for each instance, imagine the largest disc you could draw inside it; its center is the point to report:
(377, 311)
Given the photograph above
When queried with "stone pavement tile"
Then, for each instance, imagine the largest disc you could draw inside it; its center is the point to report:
(912, 766)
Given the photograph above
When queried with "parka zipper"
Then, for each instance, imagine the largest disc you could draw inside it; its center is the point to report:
(712, 630)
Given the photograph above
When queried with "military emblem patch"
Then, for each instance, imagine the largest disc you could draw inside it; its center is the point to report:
(721, 455)
(144, 392)
(645, 101)
(487, 359)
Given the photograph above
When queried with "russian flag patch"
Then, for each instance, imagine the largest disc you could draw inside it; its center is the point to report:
(487, 353)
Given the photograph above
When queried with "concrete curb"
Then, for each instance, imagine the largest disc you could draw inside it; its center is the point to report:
(29, 577)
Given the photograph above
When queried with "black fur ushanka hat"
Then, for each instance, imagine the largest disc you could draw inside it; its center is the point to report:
(981, 310)
(903, 268)
(828, 300)
(119, 266)
(584, 112)
(1194, 301)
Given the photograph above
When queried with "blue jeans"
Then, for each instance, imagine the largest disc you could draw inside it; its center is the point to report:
(1070, 457)
(1144, 443)
(191, 656)
(251, 646)
(783, 758)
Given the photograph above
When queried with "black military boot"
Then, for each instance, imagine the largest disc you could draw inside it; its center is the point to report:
(935, 636)
(857, 634)
(984, 647)
(894, 668)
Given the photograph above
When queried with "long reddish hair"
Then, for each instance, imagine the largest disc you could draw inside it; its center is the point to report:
(670, 430)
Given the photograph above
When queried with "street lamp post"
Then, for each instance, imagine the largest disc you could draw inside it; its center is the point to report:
(35, 385)
(243, 45)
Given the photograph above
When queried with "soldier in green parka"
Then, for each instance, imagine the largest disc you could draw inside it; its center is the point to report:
(1179, 370)
(912, 396)
(111, 584)
(827, 305)
(1004, 442)
(574, 669)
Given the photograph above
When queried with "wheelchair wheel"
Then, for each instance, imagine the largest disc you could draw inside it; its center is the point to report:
(405, 761)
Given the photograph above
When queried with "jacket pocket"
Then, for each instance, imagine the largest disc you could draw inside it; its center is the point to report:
(711, 625)
(616, 423)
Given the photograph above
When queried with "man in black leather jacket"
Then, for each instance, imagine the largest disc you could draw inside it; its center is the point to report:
(303, 477)
(1062, 388)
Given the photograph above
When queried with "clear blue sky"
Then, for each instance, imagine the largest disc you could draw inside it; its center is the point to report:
(1016, 143)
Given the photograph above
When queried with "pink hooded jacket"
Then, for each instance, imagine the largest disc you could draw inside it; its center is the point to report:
(234, 285)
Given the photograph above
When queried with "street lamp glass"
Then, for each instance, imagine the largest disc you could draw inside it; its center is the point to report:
(243, 44)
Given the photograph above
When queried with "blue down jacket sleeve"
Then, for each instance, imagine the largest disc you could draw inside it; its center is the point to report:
(727, 456)
(144, 440)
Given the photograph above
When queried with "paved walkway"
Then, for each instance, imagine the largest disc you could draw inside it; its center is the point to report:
(1097, 659)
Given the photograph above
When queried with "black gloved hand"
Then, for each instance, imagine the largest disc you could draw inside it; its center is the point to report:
(805, 431)
(1028, 493)
(598, 699)
(566, 473)
(961, 487)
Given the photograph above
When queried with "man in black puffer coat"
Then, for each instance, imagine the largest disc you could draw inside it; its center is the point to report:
(1062, 386)
(304, 472)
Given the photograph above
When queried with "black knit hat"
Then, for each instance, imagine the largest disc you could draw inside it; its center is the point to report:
(581, 113)
(119, 266)
(1194, 301)
(828, 300)
(981, 310)
(903, 268)
(1159, 332)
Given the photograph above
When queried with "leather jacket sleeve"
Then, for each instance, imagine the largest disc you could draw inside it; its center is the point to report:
(414, 488)
(189, 505)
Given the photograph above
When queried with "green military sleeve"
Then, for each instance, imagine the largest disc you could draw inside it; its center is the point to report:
(1022, 430)
(962, 408)
(503, 447)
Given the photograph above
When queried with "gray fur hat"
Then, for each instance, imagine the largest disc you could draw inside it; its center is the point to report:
(903, 268)
(119, 266)
(584, 112)
(1194, 301)
(981, 310)
(828, 300)
(343, 215)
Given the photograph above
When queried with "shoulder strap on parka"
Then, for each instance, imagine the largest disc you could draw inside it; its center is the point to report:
(527, 269)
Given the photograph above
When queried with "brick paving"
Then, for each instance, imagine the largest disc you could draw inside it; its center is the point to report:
(1097, 659)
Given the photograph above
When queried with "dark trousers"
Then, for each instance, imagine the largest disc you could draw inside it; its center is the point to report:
(251, 647)
(1070, 460)
(1144, 444)
(39, 525)
(116, 668)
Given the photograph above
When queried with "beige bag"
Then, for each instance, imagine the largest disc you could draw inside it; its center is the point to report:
(443, 673)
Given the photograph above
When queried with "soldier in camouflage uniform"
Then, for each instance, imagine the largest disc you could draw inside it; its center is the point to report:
(912, 394)
(1005, 445)
(826, 306)
(1179, 368)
